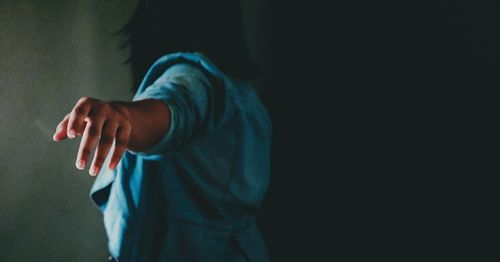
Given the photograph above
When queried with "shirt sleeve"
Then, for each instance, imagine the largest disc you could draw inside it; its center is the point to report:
(185, 90)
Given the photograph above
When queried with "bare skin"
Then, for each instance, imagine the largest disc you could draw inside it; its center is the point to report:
(134, 125)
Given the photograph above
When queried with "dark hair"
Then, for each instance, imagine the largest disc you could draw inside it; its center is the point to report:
(212, 27)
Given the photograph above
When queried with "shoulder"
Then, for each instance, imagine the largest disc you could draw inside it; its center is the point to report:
(183, 71)
(186, 63)
(182, 65)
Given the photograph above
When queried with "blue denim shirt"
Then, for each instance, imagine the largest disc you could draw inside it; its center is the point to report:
(193, 196)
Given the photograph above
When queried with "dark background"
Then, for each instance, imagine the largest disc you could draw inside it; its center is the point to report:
(379, 110)
(382, 114)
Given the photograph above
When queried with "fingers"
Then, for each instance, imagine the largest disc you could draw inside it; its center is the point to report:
(89, 139)
(122, 138)
(61, 129)
(77, 117)
(105, 142)
(100, 124)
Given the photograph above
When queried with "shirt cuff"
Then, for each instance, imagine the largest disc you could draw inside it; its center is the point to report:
(160, 146)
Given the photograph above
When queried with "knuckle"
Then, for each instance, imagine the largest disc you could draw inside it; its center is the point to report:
(79, 110)
(126, 128)
(105, 108)
(92, 121)
(99, 109)
(128, 125)
(84, 99)
(89, 120)
(104, 105)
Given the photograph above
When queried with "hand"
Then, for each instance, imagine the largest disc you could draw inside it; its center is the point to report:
(100, 123)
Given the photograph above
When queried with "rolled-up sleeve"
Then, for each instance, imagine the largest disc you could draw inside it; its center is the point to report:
(186, 91)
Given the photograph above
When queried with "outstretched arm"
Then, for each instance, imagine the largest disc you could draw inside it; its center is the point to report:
(134, 125)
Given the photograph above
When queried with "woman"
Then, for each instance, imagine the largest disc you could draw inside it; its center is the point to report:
(182, 168)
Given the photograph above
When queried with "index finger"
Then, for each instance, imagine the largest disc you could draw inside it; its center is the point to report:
(77, 117)
(61, 129)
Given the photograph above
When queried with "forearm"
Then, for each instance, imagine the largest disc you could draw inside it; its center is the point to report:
(150, 120)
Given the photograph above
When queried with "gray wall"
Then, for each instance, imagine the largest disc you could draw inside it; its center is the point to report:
(52, 53)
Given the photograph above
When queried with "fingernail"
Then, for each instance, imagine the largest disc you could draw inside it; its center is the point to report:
(81, 164)
(111, 166)
(93, 171)
(71, 133)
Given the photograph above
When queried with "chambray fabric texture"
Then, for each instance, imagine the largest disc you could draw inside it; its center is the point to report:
(194, 195)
